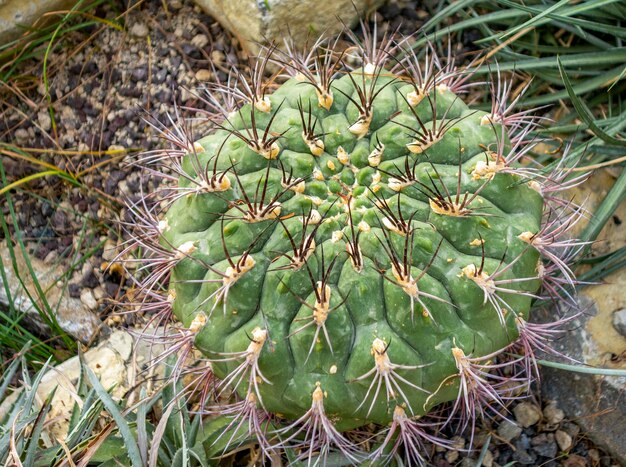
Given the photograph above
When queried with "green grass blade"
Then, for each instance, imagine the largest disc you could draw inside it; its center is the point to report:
(609, 204)
(584, 112)
(130, 444)
(590, 370)
(483, 452)
(9, 373)
(534, 20)
(607, 265)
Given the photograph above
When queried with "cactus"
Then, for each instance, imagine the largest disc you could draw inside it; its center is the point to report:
(354, 245)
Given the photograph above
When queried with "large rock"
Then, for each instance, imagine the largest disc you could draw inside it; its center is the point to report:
(17, 15)
(120, 362)
(259, 20)
(71, 314)
(597, 403)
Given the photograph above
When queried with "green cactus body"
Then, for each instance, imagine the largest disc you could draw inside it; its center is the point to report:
(399, 275)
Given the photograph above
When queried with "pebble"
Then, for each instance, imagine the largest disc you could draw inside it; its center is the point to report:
(139, 30)
(619, 321)
(574, 460)
(594, 455)
(44, 120)
(217, 56)
(88, 299)
(51, 257)
(523, 457)
(527, 414)
(139, 74)
(544, 445)
(200, 41)
(552, 414)
(452, 456)
(99, 293)
(458, 442)
(74, 290)
(563, 439)
(509, 430)
(21, 135)
(204, 75)
(159, 76)
(109, 250)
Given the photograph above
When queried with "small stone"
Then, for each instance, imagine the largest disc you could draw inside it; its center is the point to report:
(200, 41)
(51, 257)
(452, 456)
(109, 250)
(544, 445)
(139, 30)
(523, 457)
(458, 442)
(139, 74)
(185, 94)
(74, 290)
(21, 136)
(575, 460)
(509, 430)
(159, 76)
(44, 120)
(217, 56)
(552, 414)
(122, 343)
(98, 293)
(563, 439)
(594, 455)
(88, 299)
(527, 414)
(619, 321)
(203, 75)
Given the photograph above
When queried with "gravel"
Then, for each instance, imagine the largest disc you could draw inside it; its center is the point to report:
(100, 94)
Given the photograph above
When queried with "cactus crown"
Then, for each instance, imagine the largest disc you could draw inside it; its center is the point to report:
(354, 245)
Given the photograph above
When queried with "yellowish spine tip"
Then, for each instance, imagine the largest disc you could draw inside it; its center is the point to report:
(361, 126)
(325, 99)
(343, 156)
(263, 105)
(198, 323)
(415, 97)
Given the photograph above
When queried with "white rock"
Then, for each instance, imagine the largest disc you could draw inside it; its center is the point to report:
(21, 136)
(203, 75)
(15, 14)
(139, 30)
(113, 361)
(563, 439)
(552, 414)
(73, 317)
(508, 430)
(527, 414)
(44, 120)
(88, 299)
(274, 19)
(200, 41)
